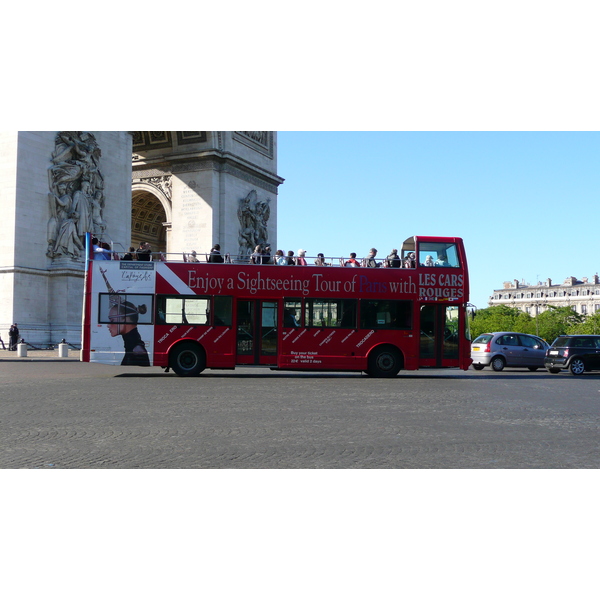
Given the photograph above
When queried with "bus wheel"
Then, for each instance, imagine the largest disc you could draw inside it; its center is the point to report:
(384, 362)
(187, 360)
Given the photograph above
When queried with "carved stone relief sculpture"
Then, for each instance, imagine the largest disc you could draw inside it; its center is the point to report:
(76, 194)
(254, 216)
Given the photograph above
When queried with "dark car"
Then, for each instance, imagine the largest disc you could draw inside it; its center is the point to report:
(578, 353)
(508, 349)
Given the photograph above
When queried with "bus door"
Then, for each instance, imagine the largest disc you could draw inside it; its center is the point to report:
(439, 335)
(256, 332)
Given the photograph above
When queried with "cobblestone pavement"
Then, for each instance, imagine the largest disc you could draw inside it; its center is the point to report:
(60, 413)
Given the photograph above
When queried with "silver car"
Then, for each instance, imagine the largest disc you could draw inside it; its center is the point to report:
(508, 349)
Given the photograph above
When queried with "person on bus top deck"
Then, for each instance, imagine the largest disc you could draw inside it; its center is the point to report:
(352, 262)
(256, 256)
(428, 261)
(130, 255)
(192, 257)
(290, 258)
(410, 262)
(266, 255)
(320, 260)
(301, 260)
(215, 254)
(279, 258)
(144, 252)
(393, 260)
(99, 252)
(442, 261)
(370, 260)
(123, 317)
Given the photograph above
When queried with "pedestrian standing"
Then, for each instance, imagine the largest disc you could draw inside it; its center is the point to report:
(13, 337)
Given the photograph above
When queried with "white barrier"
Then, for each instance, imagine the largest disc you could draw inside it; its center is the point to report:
(63, 350)
(22, 350)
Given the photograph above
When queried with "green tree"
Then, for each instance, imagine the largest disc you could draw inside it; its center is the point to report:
(501, 318)
(588, 324)
(557, 320)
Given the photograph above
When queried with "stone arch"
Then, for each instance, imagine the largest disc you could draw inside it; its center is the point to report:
(150, 216)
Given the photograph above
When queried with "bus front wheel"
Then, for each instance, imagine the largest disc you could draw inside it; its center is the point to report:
(384, 362)
(187, 360)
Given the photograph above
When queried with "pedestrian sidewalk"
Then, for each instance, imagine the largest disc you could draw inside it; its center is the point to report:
(46, 355)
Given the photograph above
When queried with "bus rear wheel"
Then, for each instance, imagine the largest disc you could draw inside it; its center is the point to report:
(187, 360)
(384, 362)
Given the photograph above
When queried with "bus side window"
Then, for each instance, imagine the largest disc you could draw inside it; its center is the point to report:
(160, 310)
(331, 313)
(292, 312)
(222, 311)
(184, 310)
(385, 314)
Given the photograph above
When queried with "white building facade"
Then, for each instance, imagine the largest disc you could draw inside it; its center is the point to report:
(582, 295)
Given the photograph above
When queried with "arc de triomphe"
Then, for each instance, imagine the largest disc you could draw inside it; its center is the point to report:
(181, 191)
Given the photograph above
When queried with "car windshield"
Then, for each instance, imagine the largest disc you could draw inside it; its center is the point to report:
(562, 341)
(483, 339)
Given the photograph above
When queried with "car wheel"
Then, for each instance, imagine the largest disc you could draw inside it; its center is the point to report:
(554, 371)
(384, 362)
(187, 360)
(498, 363)
(577, 367)
(478, 367)
(533, 368)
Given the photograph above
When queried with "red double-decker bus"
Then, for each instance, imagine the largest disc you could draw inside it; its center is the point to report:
(189, 316)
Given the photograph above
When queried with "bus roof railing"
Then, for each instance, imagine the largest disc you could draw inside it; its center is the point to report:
(268, 260)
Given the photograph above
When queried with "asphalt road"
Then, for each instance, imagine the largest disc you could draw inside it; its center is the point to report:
(63, 414)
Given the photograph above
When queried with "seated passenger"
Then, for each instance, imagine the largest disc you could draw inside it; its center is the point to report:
(290, 258)
(256, 256)
(266, 255)
(393, 260)
(289, 318)
(144, 252)
(370, 260)
(352, 262)
(279, 258)
(100, 253)
(442, 261)
(192, 257)
(130, 255)
(301, 260)
(410, 262)
(320, 260)
(428, 261)
(215, 254)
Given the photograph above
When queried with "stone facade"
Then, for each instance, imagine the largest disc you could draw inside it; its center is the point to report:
(200, 186)
(41, 290)
(583, 295)
(181, 191)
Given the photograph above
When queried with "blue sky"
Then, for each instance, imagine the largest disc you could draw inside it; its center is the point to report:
(525, 203)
